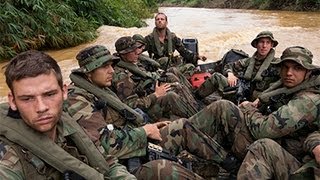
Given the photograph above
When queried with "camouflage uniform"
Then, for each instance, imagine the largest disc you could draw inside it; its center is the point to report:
(128, 140)
(19, 162)
(294, 117)
(260, 73)
(266, 159)
(130, 83)
(158, 50)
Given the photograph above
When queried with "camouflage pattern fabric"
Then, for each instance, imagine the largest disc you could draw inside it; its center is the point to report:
(189, 58)
(163, 169)
(18, 163)
(266, 159)
(172, 105)
(177, 44)
(178, 136)
(269, 74)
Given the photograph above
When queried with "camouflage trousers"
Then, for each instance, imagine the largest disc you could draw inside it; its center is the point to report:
(178, 136)
(178, 103)
(164, 169)
(266, 159)
(223, 121)
(216, 83)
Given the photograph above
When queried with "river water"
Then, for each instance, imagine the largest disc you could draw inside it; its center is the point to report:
(217, 31)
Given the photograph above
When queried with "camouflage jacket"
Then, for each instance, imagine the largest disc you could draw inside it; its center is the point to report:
(177, 44)
(269, 73)
(290, 124)
(132, 92)
(17, 162)
(94, 115)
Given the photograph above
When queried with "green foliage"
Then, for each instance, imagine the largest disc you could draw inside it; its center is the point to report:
(44, 24)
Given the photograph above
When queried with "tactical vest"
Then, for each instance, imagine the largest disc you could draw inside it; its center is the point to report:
(110, 98)
(16, 131)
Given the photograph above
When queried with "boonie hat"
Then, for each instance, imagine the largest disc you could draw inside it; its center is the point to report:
(298, 54)
(139, 38)
(264, 34)
(125, 45)
(94, 57)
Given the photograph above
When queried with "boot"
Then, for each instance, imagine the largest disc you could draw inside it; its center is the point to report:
(231, 164)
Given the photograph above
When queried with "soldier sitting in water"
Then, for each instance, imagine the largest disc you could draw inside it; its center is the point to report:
(159, 95)
(254, 74)
(287, 111)
(162, 43)
(122, 131)
(39, 141)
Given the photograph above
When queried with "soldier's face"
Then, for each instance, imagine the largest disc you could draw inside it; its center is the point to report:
(160, 21)
(102, 76)
(292, 73)
(264, 46)
(39, 100)
(132, 56)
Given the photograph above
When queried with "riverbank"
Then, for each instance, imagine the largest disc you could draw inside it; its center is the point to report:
(298, 5)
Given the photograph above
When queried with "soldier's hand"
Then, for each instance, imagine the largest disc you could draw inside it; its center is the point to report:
(162, 89)
(202, 58)
(162, 124)
(232, 79)
(316, 153)
(152, 131)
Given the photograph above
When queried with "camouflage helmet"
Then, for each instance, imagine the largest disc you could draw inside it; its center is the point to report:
(298, 54)
(264, 34)
(125, 45)
(94, 57)
(139, 38)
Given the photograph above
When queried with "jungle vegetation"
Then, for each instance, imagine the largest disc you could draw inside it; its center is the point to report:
(54, 24)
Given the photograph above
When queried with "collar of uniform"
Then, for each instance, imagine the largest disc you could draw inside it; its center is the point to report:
(63, 130)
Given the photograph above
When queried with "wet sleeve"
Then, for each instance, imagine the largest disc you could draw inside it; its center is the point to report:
(10, 165)
(125, 143)
(117, 171)
(300, 111)
(312, 141)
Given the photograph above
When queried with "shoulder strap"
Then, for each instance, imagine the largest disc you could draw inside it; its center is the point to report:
(274, 90)
(108, 96)
(18, 132)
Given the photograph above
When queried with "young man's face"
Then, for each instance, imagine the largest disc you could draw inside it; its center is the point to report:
(292, 73)
(102, 76)
(132, 56)
(264, 45)
(39, 100)
(160, 21)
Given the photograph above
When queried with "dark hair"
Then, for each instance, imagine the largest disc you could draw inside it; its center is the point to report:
(31, 64)
(161, 13)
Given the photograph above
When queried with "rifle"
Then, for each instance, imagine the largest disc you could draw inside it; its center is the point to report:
(242, 90)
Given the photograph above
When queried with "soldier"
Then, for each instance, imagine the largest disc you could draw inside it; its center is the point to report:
(287, 111)
(121, 130)
(256, 70)
(162, 43)
(266, 159)
(149, 91)
(38, 140)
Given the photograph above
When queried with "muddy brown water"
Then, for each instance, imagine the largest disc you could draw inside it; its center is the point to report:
(217, 31)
